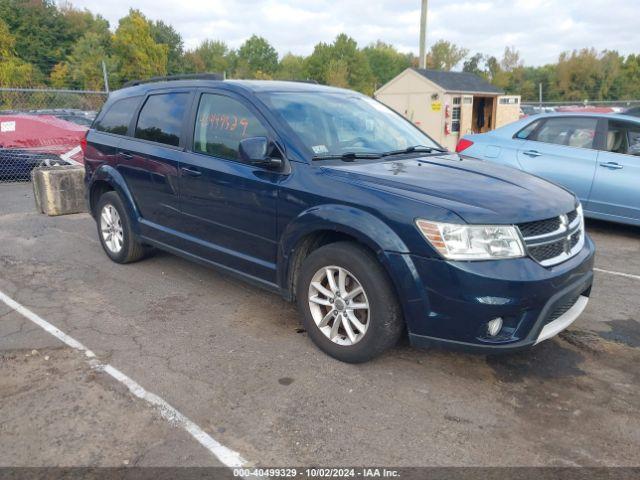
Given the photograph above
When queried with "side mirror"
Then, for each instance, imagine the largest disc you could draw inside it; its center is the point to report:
(256, 150)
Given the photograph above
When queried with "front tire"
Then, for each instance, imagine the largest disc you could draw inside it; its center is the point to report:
(115, 232)
(349, 306)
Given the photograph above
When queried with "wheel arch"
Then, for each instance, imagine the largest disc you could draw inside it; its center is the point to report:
(106, 178)
(326, 224)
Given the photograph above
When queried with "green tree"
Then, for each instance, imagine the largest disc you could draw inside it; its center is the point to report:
(493, 69)
(83, 67)
(476, 65)
(14, 72)
(80, 22)
(137, 55)
(385, 61)
(579, 74)
(256, 55)
(630, 78)
(291, 67)
(329, 64)
(612, 65)
(444, 55)
(43, 36)
(165, 34)
(511, 59)
(209, 56)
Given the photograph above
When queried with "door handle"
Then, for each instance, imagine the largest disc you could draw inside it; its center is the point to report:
(611, 165)
(532, 153)
(126, 155)
(191, 172)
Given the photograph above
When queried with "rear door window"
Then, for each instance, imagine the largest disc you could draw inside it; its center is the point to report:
(221, 123)
(623, 137)
(569, 131)
(118, 116)
(161, 118)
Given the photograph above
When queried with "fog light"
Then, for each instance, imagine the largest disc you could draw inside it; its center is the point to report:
(494, 327)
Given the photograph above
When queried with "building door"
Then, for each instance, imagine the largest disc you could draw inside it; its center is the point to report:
(483, 117)
(466, 115)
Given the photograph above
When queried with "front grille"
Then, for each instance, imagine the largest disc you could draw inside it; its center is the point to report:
(533, 229)
(553, 240)
(562, 308)
(575, 239)
(546, 252)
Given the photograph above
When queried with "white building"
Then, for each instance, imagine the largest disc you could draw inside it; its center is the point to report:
(447, 105)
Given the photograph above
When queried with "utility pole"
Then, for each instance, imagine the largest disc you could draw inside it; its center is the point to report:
(105, 77)
(540, 95)
(422, 61)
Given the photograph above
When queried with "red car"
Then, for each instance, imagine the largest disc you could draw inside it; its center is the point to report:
(27, 141)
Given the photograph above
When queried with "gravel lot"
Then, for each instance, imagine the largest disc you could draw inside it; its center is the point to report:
(235, 361)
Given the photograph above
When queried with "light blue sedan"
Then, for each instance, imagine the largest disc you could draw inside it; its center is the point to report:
(597, 156)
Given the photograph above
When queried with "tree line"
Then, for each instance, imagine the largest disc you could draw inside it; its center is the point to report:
(59, 46)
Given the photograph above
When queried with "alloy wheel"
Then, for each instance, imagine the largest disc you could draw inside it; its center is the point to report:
(339, 305)
(111, 228)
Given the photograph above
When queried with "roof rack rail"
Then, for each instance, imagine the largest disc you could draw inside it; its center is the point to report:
(189, 76)
(308, 80)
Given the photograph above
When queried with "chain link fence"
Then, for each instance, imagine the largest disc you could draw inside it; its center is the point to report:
(43, 127)
(599, 106)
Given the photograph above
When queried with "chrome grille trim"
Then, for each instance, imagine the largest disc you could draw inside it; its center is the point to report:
(562, 231)
(563, 238)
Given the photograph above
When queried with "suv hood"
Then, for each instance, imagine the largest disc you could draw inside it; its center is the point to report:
(478, 192)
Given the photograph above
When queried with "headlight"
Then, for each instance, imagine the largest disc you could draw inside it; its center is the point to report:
(472, 242)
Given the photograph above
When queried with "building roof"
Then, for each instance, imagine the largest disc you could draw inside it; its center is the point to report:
(458, 81)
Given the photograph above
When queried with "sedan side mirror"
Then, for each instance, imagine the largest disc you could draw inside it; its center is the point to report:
(256, 151)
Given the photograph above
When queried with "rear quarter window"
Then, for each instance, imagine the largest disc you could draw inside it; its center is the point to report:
(118, 116)
(526, 131)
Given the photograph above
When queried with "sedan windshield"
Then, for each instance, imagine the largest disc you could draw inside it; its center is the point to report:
(342, 124)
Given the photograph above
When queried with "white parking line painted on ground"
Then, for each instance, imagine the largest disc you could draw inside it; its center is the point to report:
(227, 457)
(619, 274)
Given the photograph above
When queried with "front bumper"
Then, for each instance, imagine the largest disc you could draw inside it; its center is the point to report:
(451, 302)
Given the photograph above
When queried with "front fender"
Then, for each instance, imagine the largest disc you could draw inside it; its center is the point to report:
(111, 176)
(359, 224)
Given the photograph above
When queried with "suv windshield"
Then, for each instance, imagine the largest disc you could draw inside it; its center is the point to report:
(335, 124)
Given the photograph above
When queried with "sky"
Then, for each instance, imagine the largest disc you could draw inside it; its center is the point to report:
(539, 29)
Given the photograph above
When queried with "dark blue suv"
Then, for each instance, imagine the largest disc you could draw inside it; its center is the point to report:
(331, 199)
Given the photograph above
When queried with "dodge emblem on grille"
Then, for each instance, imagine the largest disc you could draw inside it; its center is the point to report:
(564, 222)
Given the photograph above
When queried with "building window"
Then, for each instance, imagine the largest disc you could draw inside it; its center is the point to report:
(468, 100)
(455, 118)
(456, 100)
(509, 100)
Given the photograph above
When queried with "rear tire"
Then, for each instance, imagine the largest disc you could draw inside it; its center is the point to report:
(115, 232)
(349, 306)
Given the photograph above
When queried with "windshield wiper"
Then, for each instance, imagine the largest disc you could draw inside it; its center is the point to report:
(414, 148)
(348, 156)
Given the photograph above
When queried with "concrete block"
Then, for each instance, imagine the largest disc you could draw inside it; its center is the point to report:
(59, 190)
